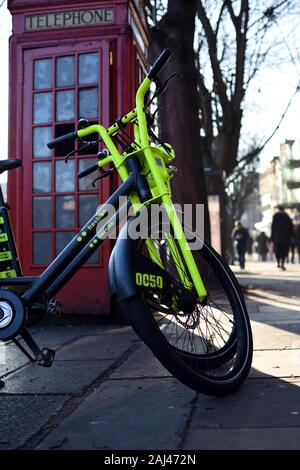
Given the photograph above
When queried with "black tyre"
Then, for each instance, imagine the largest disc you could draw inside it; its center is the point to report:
(208, 348)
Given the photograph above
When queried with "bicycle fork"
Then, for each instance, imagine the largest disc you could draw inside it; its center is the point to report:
(185, 250)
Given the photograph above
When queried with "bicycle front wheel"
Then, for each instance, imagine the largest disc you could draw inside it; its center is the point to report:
(207, 347)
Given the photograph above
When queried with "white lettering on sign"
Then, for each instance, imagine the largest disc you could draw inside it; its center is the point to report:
(66, 19)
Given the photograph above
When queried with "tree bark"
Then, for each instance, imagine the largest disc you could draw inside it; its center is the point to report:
(179, 107)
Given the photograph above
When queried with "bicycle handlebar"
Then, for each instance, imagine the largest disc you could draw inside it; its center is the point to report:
(159, 63)
(87, 171)
(62, 139)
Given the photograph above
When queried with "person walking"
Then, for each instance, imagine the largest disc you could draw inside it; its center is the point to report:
(241, 237)
(262, 246)
(282, 232)
(297, 238)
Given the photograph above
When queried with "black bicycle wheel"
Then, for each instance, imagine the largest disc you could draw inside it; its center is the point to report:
(207, 347)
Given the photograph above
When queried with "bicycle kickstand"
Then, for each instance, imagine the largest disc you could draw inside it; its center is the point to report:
(44, 357)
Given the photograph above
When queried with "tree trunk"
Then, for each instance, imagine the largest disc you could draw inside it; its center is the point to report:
(179, 116)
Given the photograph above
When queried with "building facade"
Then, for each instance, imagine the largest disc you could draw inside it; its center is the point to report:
(69, 59)
(280, 184)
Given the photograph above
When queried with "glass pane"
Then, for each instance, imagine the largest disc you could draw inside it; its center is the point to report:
(88, 68)
(65, 71)
(42, 248)
(65, 176)
(87, 207)
(65, 211)
(42, 107)
(85, 184)
(42, 212)
(41, 135)
(42, 74)
(88, 103)
(42, 177)
(65, 106)
(62, 239)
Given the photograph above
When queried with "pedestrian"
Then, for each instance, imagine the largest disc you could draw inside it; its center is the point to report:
(262, 246)
(241, 236)
(282, 232)
(297, 238)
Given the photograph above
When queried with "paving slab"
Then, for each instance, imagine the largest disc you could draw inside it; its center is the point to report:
(258, 403)
(141, 363)
(285, 363)
(126, 415)
(23, 416)
(277, 336)
(10, 358)
(63, 377)
(108, 346)
(275, 317)
(244, 439)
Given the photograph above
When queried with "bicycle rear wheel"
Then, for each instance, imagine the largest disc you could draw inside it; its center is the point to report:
(207, 347)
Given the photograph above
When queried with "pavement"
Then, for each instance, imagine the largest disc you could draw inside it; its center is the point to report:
(107, 391)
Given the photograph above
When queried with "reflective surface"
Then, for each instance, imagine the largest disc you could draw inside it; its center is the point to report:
(42, 177)
(42, 107)
(65, 211)
(65, 71)
(42, 247)
(42, 212)
(41, 135)
(42, 74)
(65, 176)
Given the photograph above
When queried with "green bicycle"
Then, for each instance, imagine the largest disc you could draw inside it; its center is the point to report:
(185, 305)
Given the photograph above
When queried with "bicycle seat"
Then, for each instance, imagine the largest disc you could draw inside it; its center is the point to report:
(9, 164)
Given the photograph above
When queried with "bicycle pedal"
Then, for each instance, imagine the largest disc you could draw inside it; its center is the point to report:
(55, 308)
(48, 357)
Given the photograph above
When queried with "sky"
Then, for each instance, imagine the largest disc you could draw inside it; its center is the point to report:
(269, 95)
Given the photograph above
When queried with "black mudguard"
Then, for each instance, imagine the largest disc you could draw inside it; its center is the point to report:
(120, 276)
(127, 264)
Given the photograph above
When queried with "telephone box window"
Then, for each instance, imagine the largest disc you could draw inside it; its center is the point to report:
(85, 184)
(42, 108)
(88, 68)
(62, 239)
(65, 176)
(87, 207)
(42, 177)
(65, 105)
(42, 247)
(43, 74)
(65, 211)
(65, 71)
(65, 88)
(41, 135)
(42, 212)
(88, 103)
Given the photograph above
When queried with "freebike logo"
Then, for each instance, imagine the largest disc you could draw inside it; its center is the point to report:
(186, 222)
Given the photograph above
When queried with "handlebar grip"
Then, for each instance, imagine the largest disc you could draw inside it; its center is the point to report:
(62, 139)
(88, 170)
(159, 63)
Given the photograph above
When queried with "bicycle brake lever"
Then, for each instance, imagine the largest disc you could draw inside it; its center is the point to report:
(104, 173)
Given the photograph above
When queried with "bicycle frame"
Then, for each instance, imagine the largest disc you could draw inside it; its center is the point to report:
(90, 237)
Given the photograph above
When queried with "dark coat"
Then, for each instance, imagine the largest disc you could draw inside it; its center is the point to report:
(262, 244)
(297, 235)
(241, 236)
(282, 228)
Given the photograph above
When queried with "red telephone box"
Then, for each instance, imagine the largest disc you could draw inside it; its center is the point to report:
(68, 60)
